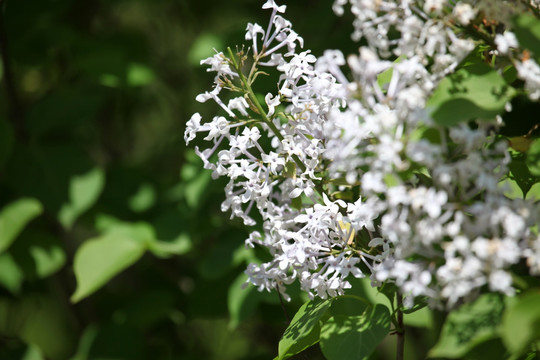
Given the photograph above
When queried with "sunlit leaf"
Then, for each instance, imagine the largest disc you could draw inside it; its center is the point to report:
(84, 191)
(100, 259)
(203, 47)
(473, 92)
(11, 275)
(143, 199)
(14, 217)
(534, 192)
(304, 328)
(511, 189)
(48, 260)
(182, 244)
(139, 75)
(33, 353)
(521, 173)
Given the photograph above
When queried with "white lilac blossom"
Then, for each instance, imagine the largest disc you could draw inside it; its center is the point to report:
(437, 221)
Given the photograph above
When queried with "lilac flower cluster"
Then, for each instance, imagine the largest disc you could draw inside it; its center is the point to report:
(349, 185)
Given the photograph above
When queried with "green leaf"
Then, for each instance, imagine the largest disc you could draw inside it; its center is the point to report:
(362, 288)
(384, 78)
(196, 189)
(99, 259)
(527, 30)
(14, 217)
(521, 323)
(202, 47)
(511, 188)
(220, 258)
(40, 321)
(469, 326)
(84, 191)
(181, 245)
(38, 254)
(33, 353)
(534, 192)
(143, 199)
(355, 337)
(241, 300)
(420, 318)
(492, 349)
(349, 305)
(304, 328)
(521, 174)
(473, 92)
(47, 253)
(11, 275)
(139, 75)
(533, 158)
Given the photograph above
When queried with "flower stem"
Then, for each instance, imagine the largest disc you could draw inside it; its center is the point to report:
(259, 107)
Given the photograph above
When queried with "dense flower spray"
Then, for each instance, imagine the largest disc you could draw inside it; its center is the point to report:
(346, 166)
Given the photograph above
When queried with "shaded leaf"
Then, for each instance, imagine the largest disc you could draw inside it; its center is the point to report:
(491, 348)
(355, 337)
(521, 323)
(241, 300)
(533, 158)
(349, 306)
(527, 30)
(521, 174)
(40, 321)
(469, 326)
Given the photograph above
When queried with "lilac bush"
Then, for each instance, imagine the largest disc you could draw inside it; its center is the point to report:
(363, 165)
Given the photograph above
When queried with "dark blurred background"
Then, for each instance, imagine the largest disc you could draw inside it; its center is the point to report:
(94, 99)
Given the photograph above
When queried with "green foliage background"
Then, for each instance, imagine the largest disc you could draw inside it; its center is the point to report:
(112, 242)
